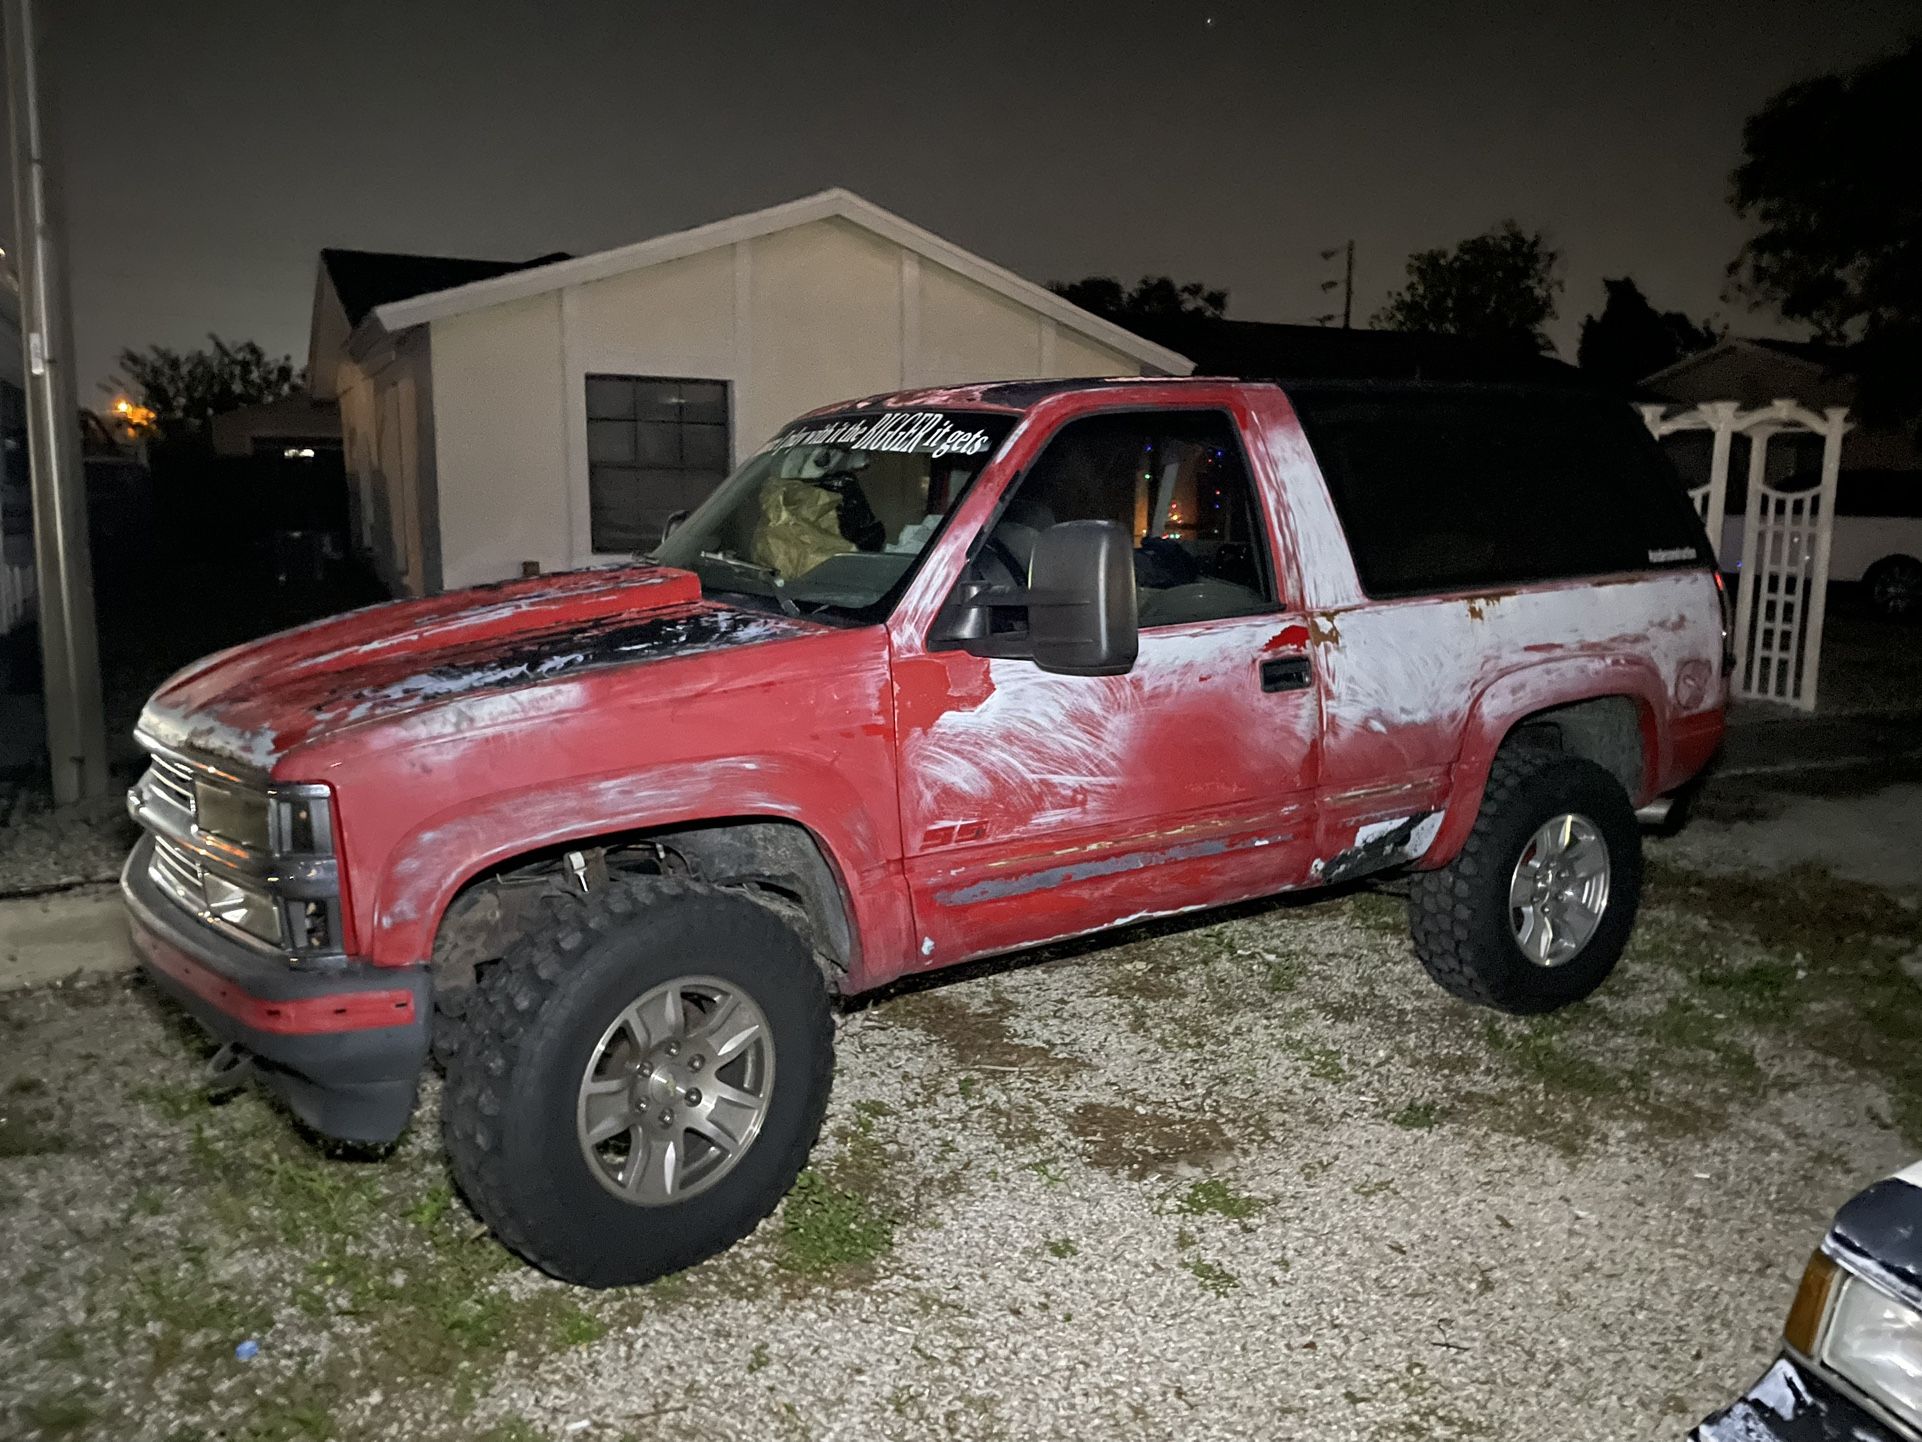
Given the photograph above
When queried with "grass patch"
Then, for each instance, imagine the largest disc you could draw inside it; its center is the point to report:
(1212, 1197)
(825, 1227)
(1062, 1248)
(1417, 1116)
(1213, 1278)
(1829, 979)
(176, 1103)
(1539, 1049)
(1323, 1063)
(1281, 975)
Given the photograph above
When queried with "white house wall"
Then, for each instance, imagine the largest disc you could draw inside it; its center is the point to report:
(500, 435)
(792, 320)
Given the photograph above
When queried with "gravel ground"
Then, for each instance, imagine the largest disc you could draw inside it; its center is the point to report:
(42, 848)
(1250, 1177)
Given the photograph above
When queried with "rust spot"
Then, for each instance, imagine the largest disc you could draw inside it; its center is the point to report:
(1322, 629)
(1480, 606)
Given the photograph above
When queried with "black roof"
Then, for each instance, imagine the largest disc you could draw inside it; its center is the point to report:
(1261, 350)
(1022, 395)
(364, 279)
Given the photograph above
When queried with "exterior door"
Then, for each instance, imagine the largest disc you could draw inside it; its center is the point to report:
(1035, 805)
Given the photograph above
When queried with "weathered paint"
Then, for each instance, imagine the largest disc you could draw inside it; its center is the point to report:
(966, 805)
(1380, 845)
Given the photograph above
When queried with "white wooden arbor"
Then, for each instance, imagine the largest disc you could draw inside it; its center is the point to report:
(1783, 559)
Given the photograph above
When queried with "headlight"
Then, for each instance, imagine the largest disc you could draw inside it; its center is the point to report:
(254, 912)
(1875, 1341)
(231, 813)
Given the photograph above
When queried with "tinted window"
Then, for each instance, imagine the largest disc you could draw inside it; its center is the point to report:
(1177, 481)
(1444, 492)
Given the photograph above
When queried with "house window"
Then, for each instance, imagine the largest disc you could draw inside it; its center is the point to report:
(654, 446)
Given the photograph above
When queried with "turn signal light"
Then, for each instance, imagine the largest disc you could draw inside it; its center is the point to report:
(1811, 1302)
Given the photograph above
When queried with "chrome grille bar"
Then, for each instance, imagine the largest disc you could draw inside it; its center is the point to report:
(178, 871)
(174, 779)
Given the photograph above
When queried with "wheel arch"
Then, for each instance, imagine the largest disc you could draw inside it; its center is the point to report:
(773, 859)
(1613, 713)
(826, 867)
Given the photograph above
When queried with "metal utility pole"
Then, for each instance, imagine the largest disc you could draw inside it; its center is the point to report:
(1348, 291)
(69, 645)
(1347, 284)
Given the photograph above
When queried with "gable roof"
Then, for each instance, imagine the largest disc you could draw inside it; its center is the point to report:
(364, 279)
(539, 277)
(1811, 354)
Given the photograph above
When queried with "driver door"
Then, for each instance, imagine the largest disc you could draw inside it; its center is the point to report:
(1037, 806)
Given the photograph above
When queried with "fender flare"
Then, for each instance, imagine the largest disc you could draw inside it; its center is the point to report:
(1521, 693)
(426, 869)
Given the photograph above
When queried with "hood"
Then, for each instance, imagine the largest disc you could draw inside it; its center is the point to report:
(254, 703)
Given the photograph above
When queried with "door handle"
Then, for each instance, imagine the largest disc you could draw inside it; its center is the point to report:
(1286, 673)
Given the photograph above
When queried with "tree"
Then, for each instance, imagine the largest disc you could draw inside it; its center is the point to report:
(1499, 286)
(1630, 339)
(184, 390)
(1829, 176)
(1154, 297)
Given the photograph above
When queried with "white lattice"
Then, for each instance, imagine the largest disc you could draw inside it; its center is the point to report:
(1782, 592)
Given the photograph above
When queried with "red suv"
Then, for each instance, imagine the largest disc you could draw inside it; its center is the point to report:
(933, 675)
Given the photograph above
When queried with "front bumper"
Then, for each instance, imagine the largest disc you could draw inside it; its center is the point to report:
(1791, 1403)
(342, 1047)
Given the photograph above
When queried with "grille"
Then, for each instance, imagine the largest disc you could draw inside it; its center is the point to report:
(255, 861)
(176, 869)
(174, 780)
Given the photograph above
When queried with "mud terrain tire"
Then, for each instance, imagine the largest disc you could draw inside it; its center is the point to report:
(537, 1023)
(1464, 929)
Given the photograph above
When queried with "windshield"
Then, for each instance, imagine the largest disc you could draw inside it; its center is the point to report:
(832, 515)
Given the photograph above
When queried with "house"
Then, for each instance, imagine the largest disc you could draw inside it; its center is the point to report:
(280, 428)
(500, 418)
(1755, 370)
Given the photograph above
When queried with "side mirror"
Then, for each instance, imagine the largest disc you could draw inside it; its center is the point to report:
(672, 524)
(1079, 600)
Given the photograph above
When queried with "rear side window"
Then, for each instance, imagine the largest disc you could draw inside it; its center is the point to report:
(1464, 491)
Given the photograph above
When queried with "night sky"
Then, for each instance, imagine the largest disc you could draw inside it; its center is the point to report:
(212, 149)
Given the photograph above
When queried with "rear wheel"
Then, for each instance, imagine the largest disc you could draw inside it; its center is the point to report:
(640, 1079)
(1894, 585)
(1536, 909)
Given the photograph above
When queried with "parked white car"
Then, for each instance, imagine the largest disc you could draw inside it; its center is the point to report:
(1877, 539)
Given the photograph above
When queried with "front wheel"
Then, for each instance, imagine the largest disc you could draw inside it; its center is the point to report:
(1535, 911)
(639, 1080)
